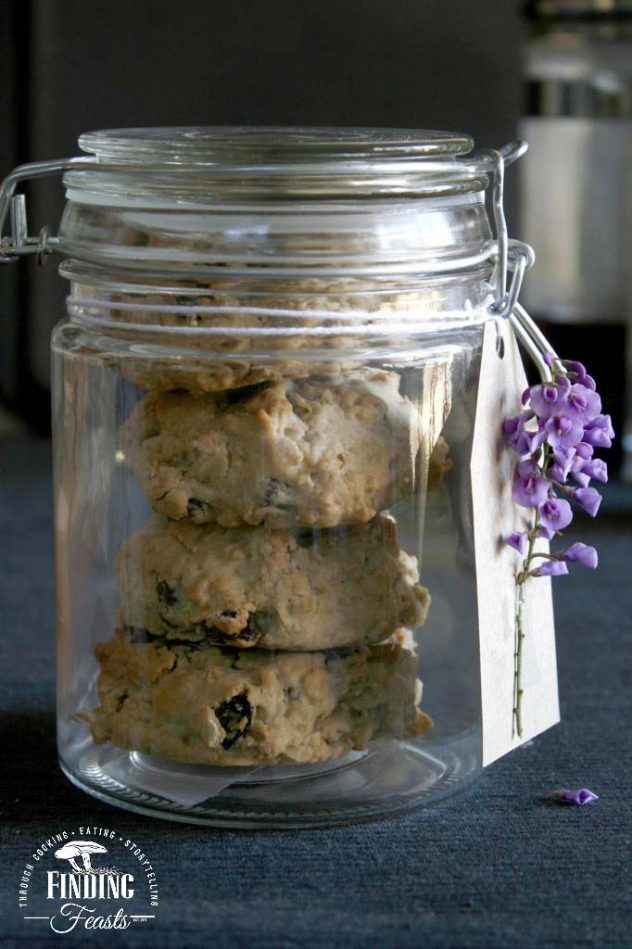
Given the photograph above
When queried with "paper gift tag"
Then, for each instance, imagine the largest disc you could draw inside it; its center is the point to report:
(496, 516)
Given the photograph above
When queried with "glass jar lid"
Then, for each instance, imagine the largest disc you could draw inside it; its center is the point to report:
(213, 145)
(189, 202)
(311, 199)
(199, 166)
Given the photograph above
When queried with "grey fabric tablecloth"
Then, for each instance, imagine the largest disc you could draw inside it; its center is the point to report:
(497, 867)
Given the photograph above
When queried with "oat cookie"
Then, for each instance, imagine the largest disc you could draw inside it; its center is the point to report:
(278, 589)
(323, 451)
(201, 704)
(245, 354)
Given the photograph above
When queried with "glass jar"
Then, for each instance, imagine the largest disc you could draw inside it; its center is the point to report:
(264, 398)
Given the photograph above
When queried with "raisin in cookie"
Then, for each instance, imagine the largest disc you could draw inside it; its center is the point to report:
(250, 586)
(322, 452)
(201, 704)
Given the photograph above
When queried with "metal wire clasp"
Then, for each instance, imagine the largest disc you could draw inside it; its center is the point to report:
(509, 255)
(515, 257)
(19, 244)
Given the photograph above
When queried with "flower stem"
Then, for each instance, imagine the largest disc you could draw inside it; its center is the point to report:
(519, 636)
(521, 579)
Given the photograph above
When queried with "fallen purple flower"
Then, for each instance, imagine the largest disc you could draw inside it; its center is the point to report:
(519, 541)
(582, 554)
(580, 796)
(588, 499)
(551, 568)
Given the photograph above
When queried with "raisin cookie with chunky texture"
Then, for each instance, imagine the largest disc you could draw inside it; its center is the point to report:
(201, 704)
(278, 589)
(317, 452)
(218, 331)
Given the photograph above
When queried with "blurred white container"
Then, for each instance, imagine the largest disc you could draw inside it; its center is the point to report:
(576, 181)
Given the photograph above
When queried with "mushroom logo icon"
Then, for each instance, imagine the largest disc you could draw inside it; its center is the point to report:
(82, 850)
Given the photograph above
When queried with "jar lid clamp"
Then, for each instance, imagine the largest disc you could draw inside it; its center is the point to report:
(412, 164)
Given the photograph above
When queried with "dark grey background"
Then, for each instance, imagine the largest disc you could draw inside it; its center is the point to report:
(68, 66)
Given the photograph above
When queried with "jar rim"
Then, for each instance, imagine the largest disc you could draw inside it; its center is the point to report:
(275, 164)
(222, 145)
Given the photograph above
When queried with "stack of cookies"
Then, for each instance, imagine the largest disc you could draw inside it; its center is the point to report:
(265, 608)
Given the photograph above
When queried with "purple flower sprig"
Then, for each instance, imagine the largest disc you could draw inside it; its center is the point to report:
(555, 437)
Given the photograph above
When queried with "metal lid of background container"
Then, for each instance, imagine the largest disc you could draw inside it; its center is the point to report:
(578, 61)
(574, 9)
